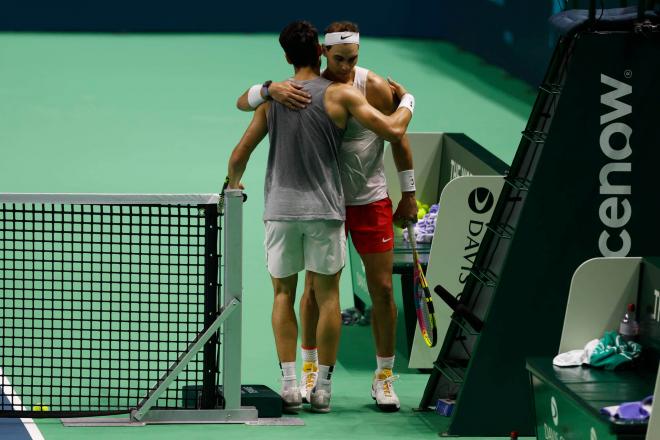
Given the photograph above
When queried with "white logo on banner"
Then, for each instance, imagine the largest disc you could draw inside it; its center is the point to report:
(549, 432)
(656, 306)
(457, 170)
(480, 200)
(615, 210)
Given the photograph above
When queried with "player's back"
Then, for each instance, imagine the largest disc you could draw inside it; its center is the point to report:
(302, 179)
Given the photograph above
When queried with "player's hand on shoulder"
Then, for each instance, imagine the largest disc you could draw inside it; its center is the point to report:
(397, 88)
(289, 94)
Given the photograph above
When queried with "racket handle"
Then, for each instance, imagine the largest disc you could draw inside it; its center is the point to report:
(411, 236)
(458, 308)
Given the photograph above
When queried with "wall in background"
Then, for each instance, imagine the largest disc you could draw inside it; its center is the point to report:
(379, 18)
(513, 34)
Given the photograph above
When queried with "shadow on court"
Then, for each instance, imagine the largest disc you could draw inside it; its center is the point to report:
(357, 350)
(491, 82)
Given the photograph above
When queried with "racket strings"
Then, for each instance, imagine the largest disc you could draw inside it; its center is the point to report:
(423, 300)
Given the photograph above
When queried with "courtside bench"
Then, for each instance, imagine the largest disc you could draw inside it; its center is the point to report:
(568, 400)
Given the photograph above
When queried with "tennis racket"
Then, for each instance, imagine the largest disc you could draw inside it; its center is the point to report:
(422, 295)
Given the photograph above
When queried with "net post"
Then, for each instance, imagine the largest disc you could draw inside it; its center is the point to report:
(211, 258)
(233, 290)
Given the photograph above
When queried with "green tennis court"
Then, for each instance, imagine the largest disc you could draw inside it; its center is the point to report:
(124, 113)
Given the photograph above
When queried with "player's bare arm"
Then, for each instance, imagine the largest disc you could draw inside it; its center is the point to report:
(254, 134)
(342, 100)
(287, 93)
(380, 95)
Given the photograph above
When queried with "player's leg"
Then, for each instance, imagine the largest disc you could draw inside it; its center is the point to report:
(325, 254)
(373, 236)
(326, 290)
(309, 316)
(285, 325)
(285, 329)
(378, 269)
(284, 254)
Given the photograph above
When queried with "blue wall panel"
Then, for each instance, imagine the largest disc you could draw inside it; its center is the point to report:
(380, 18)
(512, 34)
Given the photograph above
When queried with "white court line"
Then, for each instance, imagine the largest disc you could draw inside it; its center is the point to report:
(15, 401)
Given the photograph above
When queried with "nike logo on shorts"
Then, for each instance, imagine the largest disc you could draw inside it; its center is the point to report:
(385, 240)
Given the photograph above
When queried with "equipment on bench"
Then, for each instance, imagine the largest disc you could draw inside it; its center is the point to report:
(571, 400)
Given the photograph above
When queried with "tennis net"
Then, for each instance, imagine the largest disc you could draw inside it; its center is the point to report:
(99, 295)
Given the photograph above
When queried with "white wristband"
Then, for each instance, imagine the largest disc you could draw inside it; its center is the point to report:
(408, 101)
(407, 180)
(254, 96)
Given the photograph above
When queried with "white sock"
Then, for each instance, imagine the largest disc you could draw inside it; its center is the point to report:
(324, 381)
(310, 355)
(288, 374)
(384, 363)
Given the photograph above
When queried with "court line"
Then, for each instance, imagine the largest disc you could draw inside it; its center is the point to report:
(15, 400)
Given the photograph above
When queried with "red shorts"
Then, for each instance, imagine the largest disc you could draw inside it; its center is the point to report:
(370, 226)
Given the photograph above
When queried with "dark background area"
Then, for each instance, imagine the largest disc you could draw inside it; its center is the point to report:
(512, 34)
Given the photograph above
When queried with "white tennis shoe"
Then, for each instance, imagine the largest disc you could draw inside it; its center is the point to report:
(292, 401)
(382, 391)
(310, 372)
(319, 398)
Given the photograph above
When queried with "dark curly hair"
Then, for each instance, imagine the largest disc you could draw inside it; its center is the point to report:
(342, 26)
(300, 41)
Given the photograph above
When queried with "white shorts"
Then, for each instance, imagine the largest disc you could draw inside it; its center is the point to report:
(314, 245)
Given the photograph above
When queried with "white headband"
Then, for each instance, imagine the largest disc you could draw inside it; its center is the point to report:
(341, 38)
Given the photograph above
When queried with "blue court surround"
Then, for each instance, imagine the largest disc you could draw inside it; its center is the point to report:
(13, 429)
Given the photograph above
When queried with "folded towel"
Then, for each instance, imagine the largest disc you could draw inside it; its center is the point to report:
(575, 358)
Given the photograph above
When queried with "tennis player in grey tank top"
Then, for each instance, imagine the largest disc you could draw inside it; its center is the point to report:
(303, 181)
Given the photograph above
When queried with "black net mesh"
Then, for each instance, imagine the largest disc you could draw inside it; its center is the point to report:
(96, 302)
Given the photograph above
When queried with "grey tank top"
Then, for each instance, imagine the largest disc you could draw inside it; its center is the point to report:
(302, 177)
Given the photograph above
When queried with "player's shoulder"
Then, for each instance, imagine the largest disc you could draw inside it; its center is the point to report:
(379, 93)
(341, 90)
(377, 83)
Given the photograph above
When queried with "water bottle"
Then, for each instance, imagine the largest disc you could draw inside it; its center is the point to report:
(629, 328)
